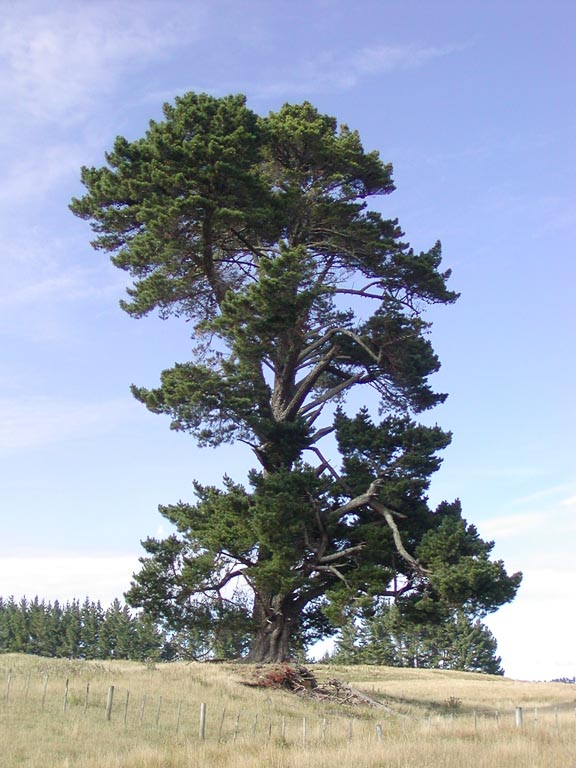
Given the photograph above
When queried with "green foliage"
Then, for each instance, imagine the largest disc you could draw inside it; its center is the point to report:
(391, 637)
(461, 572)
(258, 232)
(77, 631)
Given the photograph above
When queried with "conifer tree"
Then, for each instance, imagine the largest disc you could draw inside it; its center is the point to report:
(91, 618)
(257, 231)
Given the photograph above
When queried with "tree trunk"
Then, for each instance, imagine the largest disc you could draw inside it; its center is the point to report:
(276, 621)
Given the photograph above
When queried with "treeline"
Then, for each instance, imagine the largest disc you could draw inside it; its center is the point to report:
(86, 630)
(79, 631)
(389, 638)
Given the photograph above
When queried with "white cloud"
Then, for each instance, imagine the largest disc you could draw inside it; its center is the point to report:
(543, 534)
(536, 632)
(64, 578)
(40, 287)
(386, 58)
(73, 285)
(508, 526)
(55, 62)
(37, 170)
(332, 72)
(544, 493)
(29, 423)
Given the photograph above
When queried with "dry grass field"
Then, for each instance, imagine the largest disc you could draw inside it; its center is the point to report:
(54, 715)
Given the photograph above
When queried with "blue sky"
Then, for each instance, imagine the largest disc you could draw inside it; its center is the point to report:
(471, 102)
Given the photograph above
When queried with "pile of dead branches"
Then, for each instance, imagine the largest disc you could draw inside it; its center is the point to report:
(301, 681)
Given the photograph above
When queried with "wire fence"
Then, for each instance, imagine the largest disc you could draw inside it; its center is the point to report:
(100, 702)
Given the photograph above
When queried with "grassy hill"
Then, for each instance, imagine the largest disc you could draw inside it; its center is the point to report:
(63, 714)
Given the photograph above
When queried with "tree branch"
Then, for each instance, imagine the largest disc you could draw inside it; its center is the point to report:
(307, 383)
(330, 393)
(387, 514)
(320, 433)
(344, 553)
(334, 570)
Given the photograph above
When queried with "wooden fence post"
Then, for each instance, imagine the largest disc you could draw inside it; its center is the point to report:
(378, 732)
(27, 688)
(8, 684)
(158, 711)
(323, 729)
(222, 725)
(86, 697)
(126, 706)
(109, 703)
(142, 709)
(518, 717)
(66, 684)
(178, 715)
(303, 731)
(44, 690)
(236, 728)
(202, 721)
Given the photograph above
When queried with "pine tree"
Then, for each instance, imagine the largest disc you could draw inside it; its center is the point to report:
(458, 642)
(257, 232)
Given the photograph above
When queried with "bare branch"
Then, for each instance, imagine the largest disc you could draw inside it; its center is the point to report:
(222, 583)
(344, 553)
(387, 514)
(332, 569)
(362, 293)
(307, 383)
(255, 251)
(319, 434)
(357, 502)
(331, 393)
(368, 499)
(358, 340)
(325, 463)
(306, 353)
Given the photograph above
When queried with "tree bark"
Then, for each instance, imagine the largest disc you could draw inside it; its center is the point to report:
(276, 621)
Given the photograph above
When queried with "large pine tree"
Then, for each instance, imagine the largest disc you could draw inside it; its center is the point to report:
(257, 231)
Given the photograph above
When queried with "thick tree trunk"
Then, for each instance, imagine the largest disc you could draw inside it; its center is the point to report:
(276, 621)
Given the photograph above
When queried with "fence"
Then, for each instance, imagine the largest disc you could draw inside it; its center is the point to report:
(97, 701)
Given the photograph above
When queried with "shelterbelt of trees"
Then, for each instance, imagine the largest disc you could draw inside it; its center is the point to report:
(79, 630)
(86, 630)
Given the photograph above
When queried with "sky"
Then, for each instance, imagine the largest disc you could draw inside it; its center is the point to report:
(473, 105)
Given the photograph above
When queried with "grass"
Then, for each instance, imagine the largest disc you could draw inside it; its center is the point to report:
(432, 719)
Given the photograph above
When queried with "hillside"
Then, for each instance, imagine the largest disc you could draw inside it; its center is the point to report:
(62, 713)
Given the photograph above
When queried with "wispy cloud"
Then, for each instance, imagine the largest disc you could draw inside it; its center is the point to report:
(33, 174)
(332, 72)
(41, 285)
(509, 526)
(386, 58)
(551, 493)
(30, 423)
(55, 62)
(546, 518)
(69, 286)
